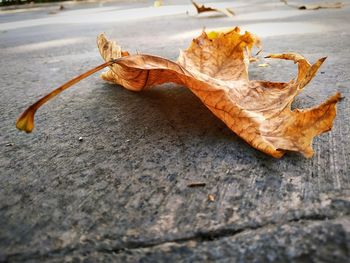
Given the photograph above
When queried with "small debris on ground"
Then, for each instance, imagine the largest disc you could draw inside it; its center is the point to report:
(9, 144)
(253, 59)
(80, 139)
(60, 8)
(314, 6)
(83, 239)
(196, 184)
(211, 198)
(263, 65)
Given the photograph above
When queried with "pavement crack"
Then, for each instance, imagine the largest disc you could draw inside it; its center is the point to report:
(208, 236)
(200, 236)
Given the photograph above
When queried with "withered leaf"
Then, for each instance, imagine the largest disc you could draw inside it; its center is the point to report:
(315, 6)
(215, 69)
(202, 9)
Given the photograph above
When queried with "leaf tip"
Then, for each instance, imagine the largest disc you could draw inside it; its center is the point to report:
(308, 152)
(322, 59)
(279, 153)
(337, 97)
(101, 36)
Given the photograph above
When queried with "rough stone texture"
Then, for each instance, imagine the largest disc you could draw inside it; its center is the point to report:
(121, 193)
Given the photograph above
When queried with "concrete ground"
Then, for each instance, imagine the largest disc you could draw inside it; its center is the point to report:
(121, 193)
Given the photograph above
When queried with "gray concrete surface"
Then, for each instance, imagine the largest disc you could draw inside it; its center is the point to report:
(121, 194)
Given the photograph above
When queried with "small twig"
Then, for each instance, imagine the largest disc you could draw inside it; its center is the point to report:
(197, 184)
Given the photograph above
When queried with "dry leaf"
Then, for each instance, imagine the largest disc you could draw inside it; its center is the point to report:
(215, 69)
(315, 6)
(202, 9)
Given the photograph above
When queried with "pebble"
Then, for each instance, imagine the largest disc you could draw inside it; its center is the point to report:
(211, 198)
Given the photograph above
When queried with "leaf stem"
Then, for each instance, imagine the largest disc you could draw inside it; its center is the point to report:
(25, 121)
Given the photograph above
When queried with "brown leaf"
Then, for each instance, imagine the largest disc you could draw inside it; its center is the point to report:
(315, 6)
(202, 9)
(215, 69)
